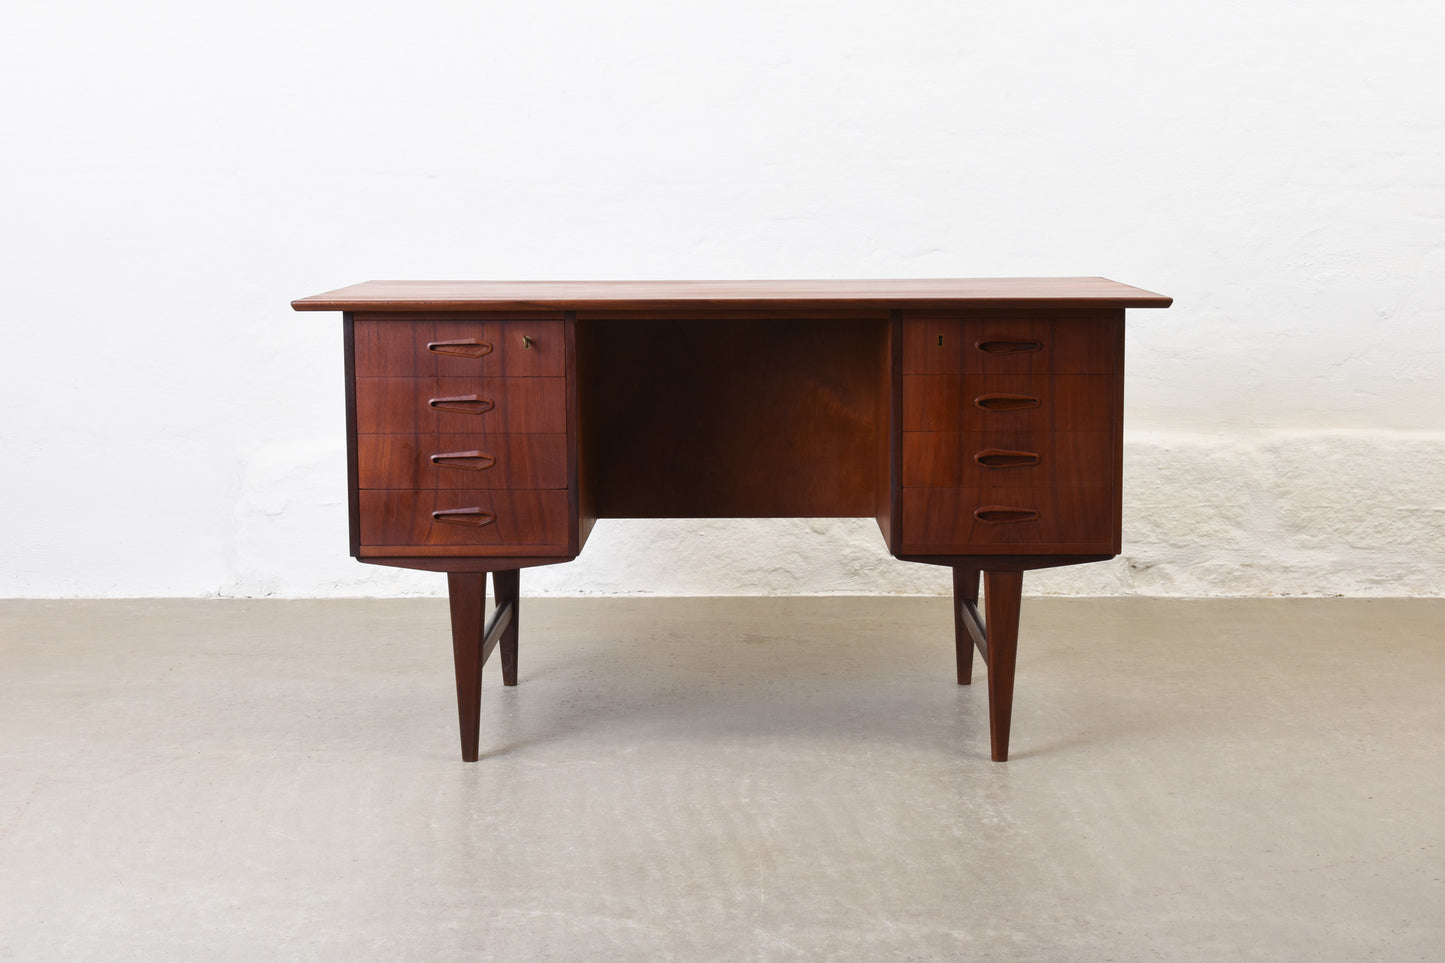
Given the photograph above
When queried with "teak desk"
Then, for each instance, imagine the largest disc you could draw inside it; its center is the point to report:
(490, 424)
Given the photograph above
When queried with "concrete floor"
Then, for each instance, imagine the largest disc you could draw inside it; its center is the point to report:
(722, 779)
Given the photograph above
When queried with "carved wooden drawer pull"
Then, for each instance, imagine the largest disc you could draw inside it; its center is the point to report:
(461, 348)
(474, 517)
(1002, 458)
(1009, 347)
(999, 401)
(1002, 515)
(466, 404)
(468, 460)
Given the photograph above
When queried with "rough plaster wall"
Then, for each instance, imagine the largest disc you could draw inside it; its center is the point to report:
(177, 173)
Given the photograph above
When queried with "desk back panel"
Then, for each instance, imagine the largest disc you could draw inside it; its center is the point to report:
(745, 418)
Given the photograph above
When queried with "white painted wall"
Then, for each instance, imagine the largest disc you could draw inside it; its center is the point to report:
(174, 173)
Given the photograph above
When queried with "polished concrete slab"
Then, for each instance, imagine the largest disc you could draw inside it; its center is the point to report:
(722, 779)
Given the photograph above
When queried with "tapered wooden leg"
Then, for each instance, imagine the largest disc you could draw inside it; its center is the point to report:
(1002, 593)
(965, 589)
(468, 594)
(506, 586)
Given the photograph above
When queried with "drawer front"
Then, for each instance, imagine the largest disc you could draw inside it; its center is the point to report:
(408, 406)
(510, 522)
(441, 349)
(987, 403)
(462, 461)
(1070, 459)
(962, 521)
(1086, 343)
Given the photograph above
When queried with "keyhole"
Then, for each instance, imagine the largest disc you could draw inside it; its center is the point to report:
(940, 340)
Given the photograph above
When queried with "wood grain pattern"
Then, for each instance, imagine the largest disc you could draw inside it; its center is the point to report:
(1069, 459)
(399, 406)
(581, 505)
(406, 461)
(1079, 342)
(527, 522)
(948, 402)
(942, 521)
(388, 348)
(737, 419)
(669, 298)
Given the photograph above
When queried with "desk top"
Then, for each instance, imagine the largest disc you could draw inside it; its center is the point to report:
(654, 297)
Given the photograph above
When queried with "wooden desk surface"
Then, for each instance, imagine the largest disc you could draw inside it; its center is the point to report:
(654, 297)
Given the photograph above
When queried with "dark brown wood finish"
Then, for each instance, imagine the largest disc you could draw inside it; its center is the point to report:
(515, 348)
(732, 419)
(473, 641)
(462, 461)
(683, 299)
(581, 491)
(1118, 428)
(1037, 342)
(1022, 459)
(890, 425)
(534, 521)
(950, 521)
(1003, 563)
(966, 630)
(447, 562)
(993, 403)
(468, 597)
(392, 406)
(353, 470)
(1002, 592)
(491, 423)
(506, 585)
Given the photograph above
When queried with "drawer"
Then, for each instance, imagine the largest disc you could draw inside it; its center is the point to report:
(510, 520)
(985, 403)
(1082, 343)
(462, 461)
(410, 406)
(1069, 459)
(422, 349)
(961, 521)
